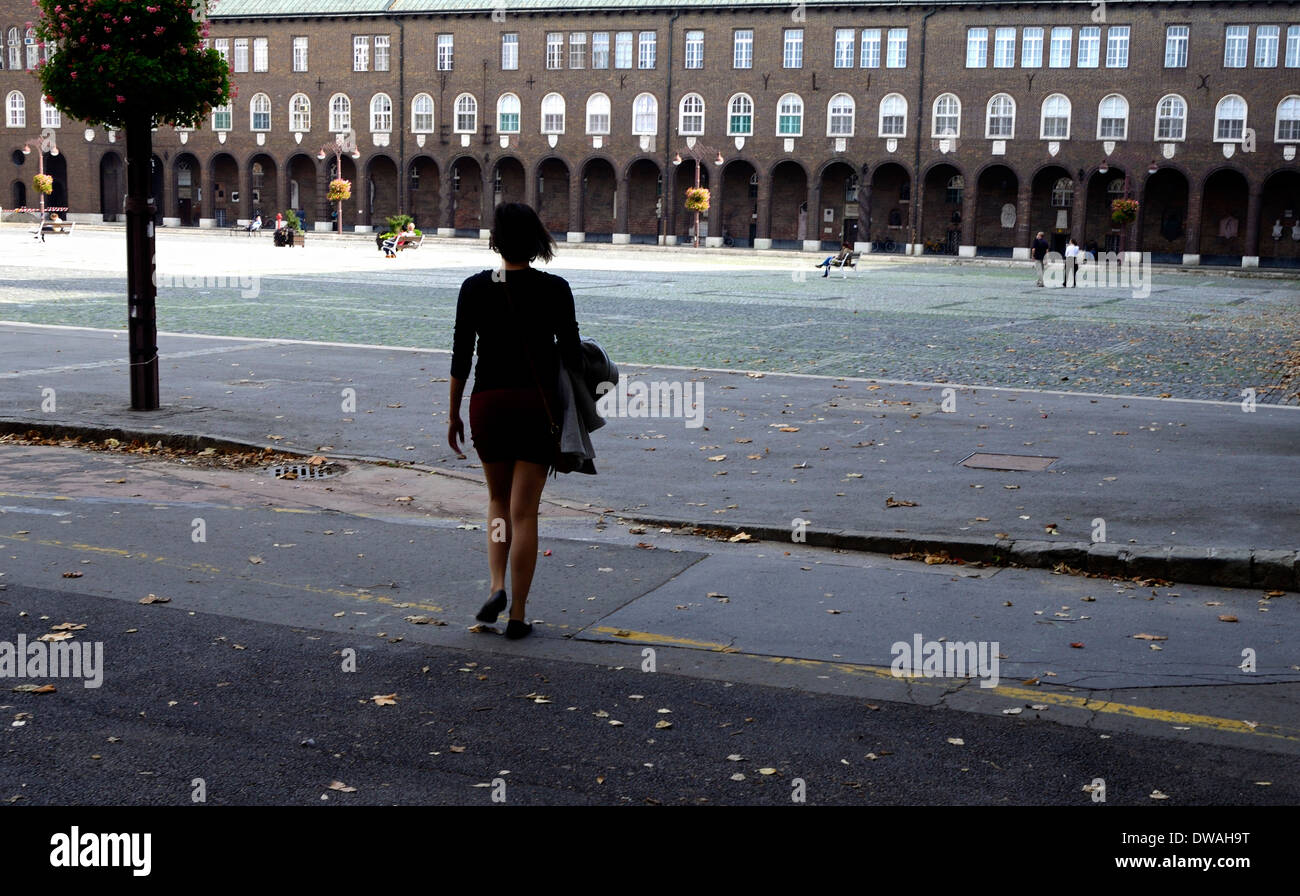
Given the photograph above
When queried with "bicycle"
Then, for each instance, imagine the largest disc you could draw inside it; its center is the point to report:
(885, 245)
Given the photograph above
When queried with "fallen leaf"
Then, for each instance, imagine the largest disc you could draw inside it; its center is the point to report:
(73, 575)
(788, 429)
(34, 688)
(740, 536)
(457, 749)
(341, 787)
(663, 723)
(956, 741)
(316, 460)
(1146, 637)
(155, 599)
(424, 620)
(718, 457)
(735, 757)
(55, 636)
(767, 771)
(892, 502)
(1078, 645)
(404, 499)
(254, 559)
(1013, 711)
(384, 699)
(616, 723)
(1155, 794)
(1227, 618)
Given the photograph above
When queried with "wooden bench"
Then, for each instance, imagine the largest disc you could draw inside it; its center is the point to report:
(850, 262)
(396, 244)
(59, 227)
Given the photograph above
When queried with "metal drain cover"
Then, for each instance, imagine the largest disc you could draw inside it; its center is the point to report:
(305, 471)
(1016, 463)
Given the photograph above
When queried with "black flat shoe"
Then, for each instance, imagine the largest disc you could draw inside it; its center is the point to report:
(492, 609)
(516, 629)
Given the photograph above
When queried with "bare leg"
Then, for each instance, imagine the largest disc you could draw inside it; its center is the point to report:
(525, 495)
(499, 475)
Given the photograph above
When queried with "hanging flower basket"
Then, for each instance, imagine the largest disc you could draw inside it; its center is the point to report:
(697, 199)
(1124, 211)
(43, 184)
(340, 190)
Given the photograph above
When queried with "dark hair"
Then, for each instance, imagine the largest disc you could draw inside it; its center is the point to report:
(519, 235)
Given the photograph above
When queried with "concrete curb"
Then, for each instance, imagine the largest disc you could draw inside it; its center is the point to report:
(1235, 568)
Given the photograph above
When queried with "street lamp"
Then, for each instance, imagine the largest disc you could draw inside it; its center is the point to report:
(698, 151)
(46, 142)
(345, 142)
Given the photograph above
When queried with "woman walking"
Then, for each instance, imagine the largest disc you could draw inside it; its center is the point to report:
(525, 326)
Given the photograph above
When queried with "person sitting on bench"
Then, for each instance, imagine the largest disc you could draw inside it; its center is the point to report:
(395, 243)
(836, 261)
(255, 225)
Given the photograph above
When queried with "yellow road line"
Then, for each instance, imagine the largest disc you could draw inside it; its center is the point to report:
(217, 571)
(1020, 695)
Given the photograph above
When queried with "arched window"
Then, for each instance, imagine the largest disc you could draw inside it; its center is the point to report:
(740, 116)
(33, 50)
(50, 117)
(1171, 118)
(840, 116)
(1230, 119)
(258, 175)
(1063, 193)
(893, 116)
(259, 111)
(1001, 120)
(1115, 189)
(956, 189)
(1056, 118)
(222, 117)
(299, 113)
(15, 49)
(645, 115)
(466, 114)
(789, 116)
(553, 114)
(598, 114)
(690, 120)
(340, 113)
(947, 116)
(422, 114)
(16, 109)
(1288, 120)
(381, 113)
(1112, 118)
(509, 113)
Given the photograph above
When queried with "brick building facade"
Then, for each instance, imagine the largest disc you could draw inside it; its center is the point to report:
(935, 126)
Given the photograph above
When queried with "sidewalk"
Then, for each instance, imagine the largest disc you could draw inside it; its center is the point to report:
(1191, 491)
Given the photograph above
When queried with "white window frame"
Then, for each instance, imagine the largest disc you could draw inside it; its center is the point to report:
(1292, 46)
(647, 49)
(645, 109)
(896, 48)
(383, 57)
(509, 104)
(1117, 46)
(1089, 46)
(241, 54)
(1062, 40)
(299, 113)
(1031, 47)
(52, 118)
(446, 52)
(977, 47)
(792, 48)
(340, 113)
(301, 46)
(845, 47)
(381, 114)
(553, 121)
(261, 54)
(1102, 117)
(509, 51)
(1181, 119)
(600, 50)
(254, 111)
(1042, 118)
(988, 118)
(795, 104)
(690, 123)
(845, 114)
(577, 49)
(466, 110)
(1177, 38)
(1267, 40)
(222, 46)
(902, 132)
(693, 51)
(1245, 117)
(742, 48)
(871, 54)
(361, 52)
(421, 99)
(223, 118)
(1004, 48)
(16, 51)
(624, 42)
(732, 115)
(954, 131)
(1236, 46)
(16, 109)
(1294, 99)
(600, 114)
(554, 50)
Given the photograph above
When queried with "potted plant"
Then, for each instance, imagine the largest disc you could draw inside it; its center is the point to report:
(293, 229)
(1123, 212)
(697, 199)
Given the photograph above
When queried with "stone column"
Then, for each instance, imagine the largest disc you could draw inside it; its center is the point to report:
(623, 192)
(763, 227)
(577, 210)
(968, 206)
(1250, 257)
(813, 238)
(1192, 227)
(1024, 229)
(447, 202)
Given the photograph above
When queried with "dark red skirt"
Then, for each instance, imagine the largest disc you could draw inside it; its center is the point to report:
(511, 424)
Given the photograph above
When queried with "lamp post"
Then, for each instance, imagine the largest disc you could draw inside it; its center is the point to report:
(46, 142)
(345, 142)
(1128, 191)
(698, 152)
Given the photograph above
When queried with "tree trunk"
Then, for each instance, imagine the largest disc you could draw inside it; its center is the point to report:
(142, 323)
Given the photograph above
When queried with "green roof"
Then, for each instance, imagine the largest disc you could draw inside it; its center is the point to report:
(230, 9)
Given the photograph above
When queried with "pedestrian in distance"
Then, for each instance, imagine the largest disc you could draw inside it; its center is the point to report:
(1072, 263)
(1040, 248)
(521, 324)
